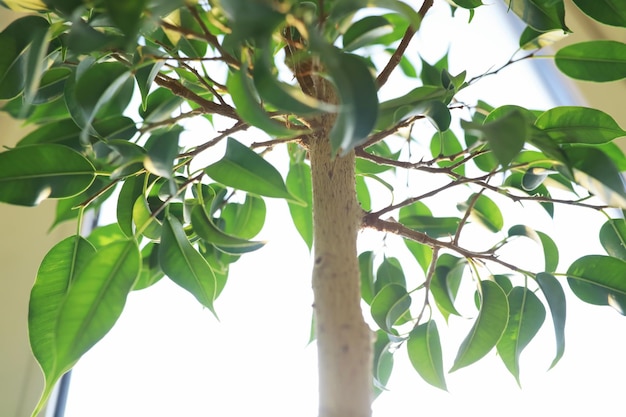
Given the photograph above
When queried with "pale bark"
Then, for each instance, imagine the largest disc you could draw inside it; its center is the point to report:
(344, 340)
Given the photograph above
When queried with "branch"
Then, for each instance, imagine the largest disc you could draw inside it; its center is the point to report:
(207, 106)
(398, 229)
(236, 128)
(404, 43)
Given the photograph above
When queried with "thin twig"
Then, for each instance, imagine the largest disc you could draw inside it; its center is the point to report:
(396, 57)
(235, 128)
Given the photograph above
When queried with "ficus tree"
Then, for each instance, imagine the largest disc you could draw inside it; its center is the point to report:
(112, 92)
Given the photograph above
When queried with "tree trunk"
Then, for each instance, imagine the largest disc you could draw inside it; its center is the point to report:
(344, 340)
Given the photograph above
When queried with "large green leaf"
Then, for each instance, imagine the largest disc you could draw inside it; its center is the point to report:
(488, 328)
(389, 305)
(30, 174)
(550, 250)
(432, 226)
(96, 299)
(389, 272)
(526, 315)
(613, 238)
(182, 263)
(162, 150)
(383, 361)
(126, 15)
(243, 169)
(572, 124)
(610, 12)
(553, 291)
(244, 220)
(424, 349)
(54, 277)
(542, 15)
(599, 280)
(365, 32)
(300, 186)
(593, 60)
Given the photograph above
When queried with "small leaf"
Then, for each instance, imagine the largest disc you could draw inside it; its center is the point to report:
(488, 328)
(608, 12)
(613, 238)
(389, 272)
(411, 104)
(550, 250)
(533, 39)
(598, 61)
(468, 4)
(506, 135)
(244, 220)
(243, 169)
(146, 224)
(366, 270)
(365, 32)
(184, 265)
(526, 315)
(300, 186)
(424, 349)
(599, 280)
(572, 124)
(248, 107)
(209, 232)
(389, 305)
(160, 104)
(484, 211)
(126, 15)
(151, 271)
(446, 144)
(445, 283)
(162, 147)
(383, 361)
(553, 291)
(30, 174)
(432, 226)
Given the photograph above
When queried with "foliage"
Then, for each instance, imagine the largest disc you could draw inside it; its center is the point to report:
(113, 90)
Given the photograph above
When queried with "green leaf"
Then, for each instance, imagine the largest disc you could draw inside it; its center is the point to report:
(506, 135)
(541, 15)
(423, 254)
(468, 4)
(595, 171)
(162, 150)
(358, 99)
(572, 124)
(145, 222)
(609, 12)
(526, 315)
(488, 328)
(389, 305)
(613, 238)
(208, 231)
(516, 179)
(598, 61)
(446, 144)
(98, 88)
(244, 220)
(484, 211)
(599, 280)
(151, 271)
(445, 283)
(300, 186)
(159, 105)
(432, 226)
(365, 32)
(532, 39)
(96, 299)
(54, 277)
(412, 103)
(126, 15)
(248, 107)
(243, 169)
(30, 174)
(129, 193)
(184, 265)
(424, 349)
(389, 272)
(383, 361)
(366, 269)
(550, 250)
(553, 291)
